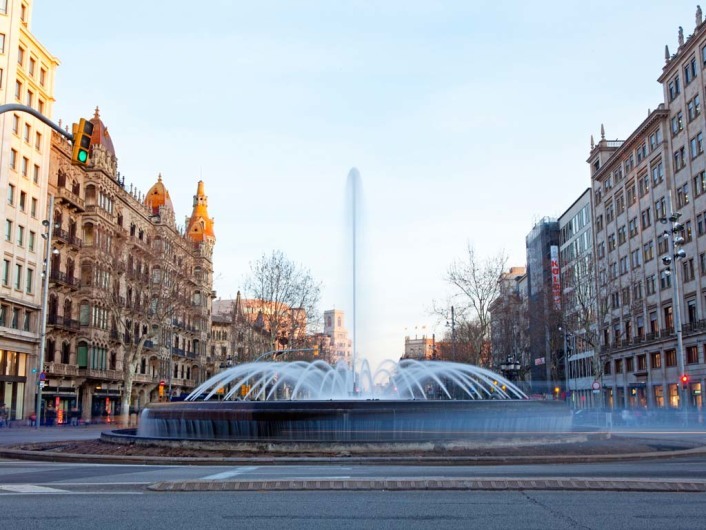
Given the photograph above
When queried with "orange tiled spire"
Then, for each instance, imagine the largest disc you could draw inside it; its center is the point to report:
(200, 228)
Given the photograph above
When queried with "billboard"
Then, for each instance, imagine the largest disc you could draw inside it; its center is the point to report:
(556, 278)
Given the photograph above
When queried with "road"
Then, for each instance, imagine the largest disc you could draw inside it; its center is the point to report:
(37, 495)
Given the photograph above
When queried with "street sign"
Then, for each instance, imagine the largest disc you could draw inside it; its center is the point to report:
(162, 382)
(596, 385)
(42, 376)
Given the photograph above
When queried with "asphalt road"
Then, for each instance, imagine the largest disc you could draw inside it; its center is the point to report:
(359, 510)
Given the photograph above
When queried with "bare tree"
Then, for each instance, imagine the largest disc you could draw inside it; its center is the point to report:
(287, 296)
(475, 282)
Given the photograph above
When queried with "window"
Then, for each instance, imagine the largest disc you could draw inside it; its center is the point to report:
(646, 218)
(637, 295)
(620, 203)
(624, 265)
(702, 263)
(611, 242)
(609, 211)
(692, 354)
(35, 174)
(650, 284)
(15, 124)
(11, 194)
(29, 281)
(693, 108)
(655, 139)
(18, 276)
(700, 225)
(42, 76)
(633, 227)
(688, 269)
(23, 200)
(699, 183)
(30, 241)
(641, 152)
(40, 105)
(25, 166)
(665, 281)
(38, 141)
(601, 249)
(18, 90)
(671, 357)
(656, 360)
(8, 230)
(674, 88)
(690, 71)
(658, 173)
(599, 223)
(696, 146)
(33, 207)
(635, 258)
(6, 272)
(662, 246)
(29, 98)
(648, 251)
(13, 159)
(2, 43)
(32, 65)
(615, 302)
(677, 123)
(27, 132)
(688, 232)
(629, 163)
(20, 55)
(643, 184)
(682, 196)
(622, 235)
(679, 158)
(632, 196)
(660, 208)
(20, 235)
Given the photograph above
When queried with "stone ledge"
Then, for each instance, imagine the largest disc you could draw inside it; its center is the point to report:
(470, 484)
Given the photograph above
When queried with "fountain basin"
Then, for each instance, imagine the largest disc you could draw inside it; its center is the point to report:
(358, 421)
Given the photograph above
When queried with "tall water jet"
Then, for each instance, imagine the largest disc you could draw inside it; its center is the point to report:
(354, 188)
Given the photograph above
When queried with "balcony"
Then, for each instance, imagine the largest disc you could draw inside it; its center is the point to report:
(62, 279)
(106, 375)
(145, 378)
(53, 368)
(73, 201)
(61, 236)
(179, 352)
(93, 209)
(60, 322)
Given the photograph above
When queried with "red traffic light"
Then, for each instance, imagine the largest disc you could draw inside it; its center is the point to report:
(684, 379)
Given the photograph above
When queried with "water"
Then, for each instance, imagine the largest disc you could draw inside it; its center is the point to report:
(407, 379)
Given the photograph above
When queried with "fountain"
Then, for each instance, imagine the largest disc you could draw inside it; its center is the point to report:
(295, 403)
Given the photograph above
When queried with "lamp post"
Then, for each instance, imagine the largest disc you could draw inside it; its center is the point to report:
(47, 224)
(453, 334)
(676, 240)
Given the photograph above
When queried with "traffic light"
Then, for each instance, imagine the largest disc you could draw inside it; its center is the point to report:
(316, 350)
(684, 381)
(82, 142)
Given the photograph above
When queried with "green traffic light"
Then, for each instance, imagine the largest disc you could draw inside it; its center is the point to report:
(82, 156)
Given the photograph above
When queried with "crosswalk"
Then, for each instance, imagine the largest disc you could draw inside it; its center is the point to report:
(29, 488)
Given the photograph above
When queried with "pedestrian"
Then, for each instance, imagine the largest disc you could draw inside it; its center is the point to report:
(3, 415)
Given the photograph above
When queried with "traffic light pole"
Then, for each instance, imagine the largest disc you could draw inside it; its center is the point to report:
(41, 117)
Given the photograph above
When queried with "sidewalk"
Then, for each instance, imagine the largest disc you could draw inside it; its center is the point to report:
(26, 434)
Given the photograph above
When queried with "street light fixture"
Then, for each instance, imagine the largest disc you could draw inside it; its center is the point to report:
(673, 235)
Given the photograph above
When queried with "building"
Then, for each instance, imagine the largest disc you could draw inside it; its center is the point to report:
(579, 303)
(339, 347)
(420, 349)
(508, 322)
(633, 184)
(128, 314)
(544, 306)
(27, 71)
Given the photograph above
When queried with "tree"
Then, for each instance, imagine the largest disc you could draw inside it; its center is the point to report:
(475, 282)
(286, 296)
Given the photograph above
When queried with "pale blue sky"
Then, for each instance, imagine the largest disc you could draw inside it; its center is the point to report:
(468, 121)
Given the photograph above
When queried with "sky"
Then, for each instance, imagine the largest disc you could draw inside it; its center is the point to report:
(468, 122)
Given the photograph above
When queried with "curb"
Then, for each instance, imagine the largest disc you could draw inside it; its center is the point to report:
(51, 456)
(506, 484)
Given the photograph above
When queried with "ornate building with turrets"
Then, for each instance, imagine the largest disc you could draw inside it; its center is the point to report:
(130, 292)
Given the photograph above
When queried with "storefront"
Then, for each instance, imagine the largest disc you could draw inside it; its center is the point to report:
(58, 404)
(13, 381)
(105, 406)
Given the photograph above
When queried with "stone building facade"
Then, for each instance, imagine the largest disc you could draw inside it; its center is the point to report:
(27, 71)
(129, 308)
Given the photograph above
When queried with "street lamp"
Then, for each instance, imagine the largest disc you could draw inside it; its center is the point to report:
(47, 224)
(676, 240)
(453, 334)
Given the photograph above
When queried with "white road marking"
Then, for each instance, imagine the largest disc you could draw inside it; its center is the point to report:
(29, 488)
(231, 473)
